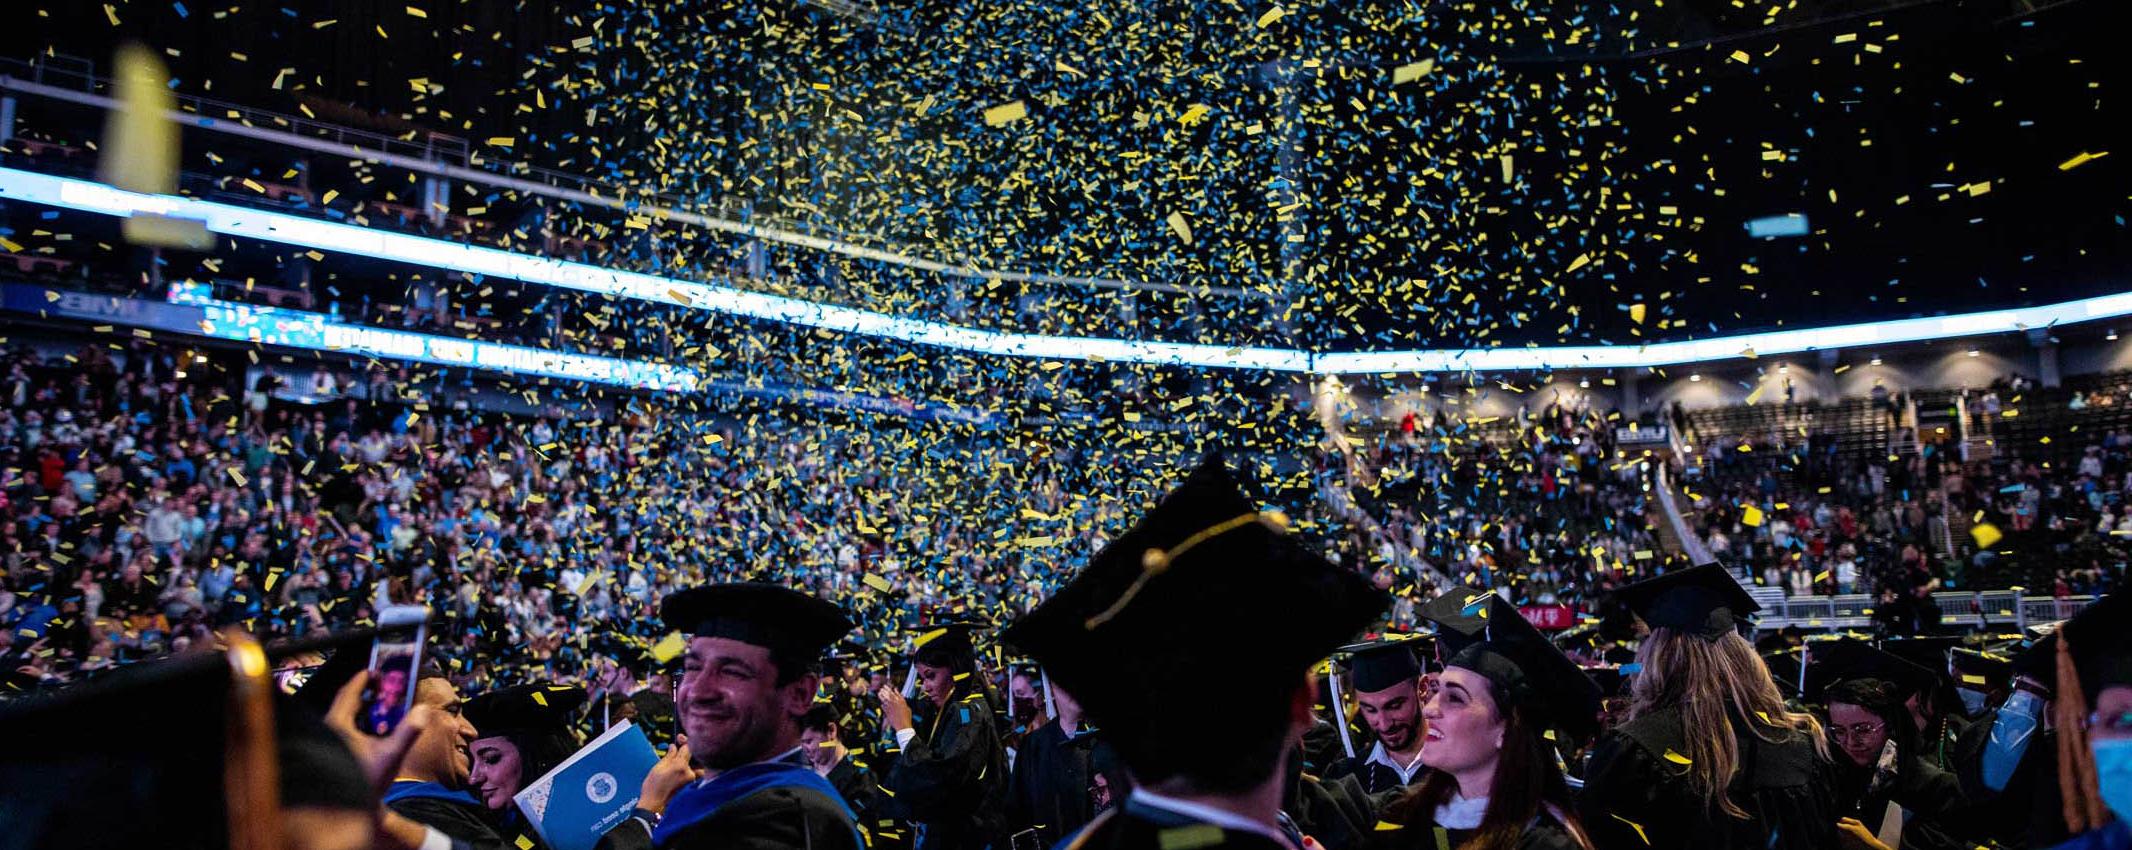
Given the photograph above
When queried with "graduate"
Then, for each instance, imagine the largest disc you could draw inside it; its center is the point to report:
(1886, 782)
(524, 732)
(748, 675)
(949, 778)
(1709, 757)
(432, 785)
(1385, 678)
(1146, 632)
(821, 735)
(1503, 705)
(2093, 711)
(2051, 760)
(1050, 796)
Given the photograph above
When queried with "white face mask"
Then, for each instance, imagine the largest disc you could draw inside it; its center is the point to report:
(2113, 774)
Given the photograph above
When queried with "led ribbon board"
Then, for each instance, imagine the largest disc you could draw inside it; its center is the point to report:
(231, 220)
(191, 311)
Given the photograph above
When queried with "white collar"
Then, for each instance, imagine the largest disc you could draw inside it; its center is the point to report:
(1207, 814)
(1461, 812)
(1380, 755)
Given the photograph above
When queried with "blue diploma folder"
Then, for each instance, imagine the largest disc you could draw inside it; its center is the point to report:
(590, 792)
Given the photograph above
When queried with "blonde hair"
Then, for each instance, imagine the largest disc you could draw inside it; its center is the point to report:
(2077, 785)
(1715, 683)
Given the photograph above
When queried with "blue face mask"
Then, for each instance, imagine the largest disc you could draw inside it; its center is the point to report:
(2113, 774)
(1972, 701)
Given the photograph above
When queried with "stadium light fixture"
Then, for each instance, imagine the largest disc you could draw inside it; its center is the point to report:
(337, 237)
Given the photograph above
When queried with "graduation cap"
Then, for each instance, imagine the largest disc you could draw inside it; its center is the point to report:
(2100, 643)
(938, 643)
(772, 616)
(1705, 601)
(1530, 673)
(1460, 615)
(1980, 671)
(525, 710)
(1153, 619)
(1383, 664)
(1847, 658)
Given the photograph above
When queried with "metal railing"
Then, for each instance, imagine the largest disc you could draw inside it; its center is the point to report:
(2010, 609)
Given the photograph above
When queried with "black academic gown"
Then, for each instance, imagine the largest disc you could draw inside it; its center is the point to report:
(458, 814)
(1545, 833)
(1374, 777)
(1335, 811)
(517, 832)
(1052, 775)
(1937, 817)
(1635, 798)
(950, 782)
(861, 789)
(1135, 826)
(793, 809)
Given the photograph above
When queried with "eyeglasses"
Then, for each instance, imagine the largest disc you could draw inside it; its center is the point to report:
(2120, 723)
(1845, 734)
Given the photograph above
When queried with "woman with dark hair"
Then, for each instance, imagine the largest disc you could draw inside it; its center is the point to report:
(521, 733)
(1709, 756)
(1494, 779)
(950, 777)
(1883, 788)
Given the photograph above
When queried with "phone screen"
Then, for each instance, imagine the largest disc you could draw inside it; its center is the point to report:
(395, 663)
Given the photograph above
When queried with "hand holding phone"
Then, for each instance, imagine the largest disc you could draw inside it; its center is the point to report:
(395, 665)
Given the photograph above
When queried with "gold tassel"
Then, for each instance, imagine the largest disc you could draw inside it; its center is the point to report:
(2082, 799)
(1155, 562)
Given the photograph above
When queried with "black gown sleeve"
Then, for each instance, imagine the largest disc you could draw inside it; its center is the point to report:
(772, 819)
(938, 778)
(1627, 797)
(457, 821)
(630, 834)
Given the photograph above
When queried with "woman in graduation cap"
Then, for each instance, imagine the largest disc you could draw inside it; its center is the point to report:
(1494, 780)
(524, 732)
(950, 778)
(1709, 756)
(1885, 784)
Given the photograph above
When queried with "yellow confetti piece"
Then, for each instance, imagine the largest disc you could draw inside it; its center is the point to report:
(1750, 516)
(540, 698)
(1271, 15)
(1742, 57)
(1412, 71)
(1677, 758)
(1180, 226)
(2081, 159)
(669, 647)
(1006, 113)
(878, 583)
(1633, 825)
(524, 843)
(1636, 311)
(1986, 535)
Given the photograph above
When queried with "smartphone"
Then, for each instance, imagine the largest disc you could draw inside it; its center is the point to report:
(395, 664)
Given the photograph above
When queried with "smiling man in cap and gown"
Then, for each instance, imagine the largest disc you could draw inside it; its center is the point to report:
(749, 675)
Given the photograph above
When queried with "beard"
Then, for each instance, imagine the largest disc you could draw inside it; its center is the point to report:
(1398, 737)
(729, 736)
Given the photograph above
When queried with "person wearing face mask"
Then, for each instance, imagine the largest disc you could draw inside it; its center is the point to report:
(1502, 706)
(2093, 717)
(525, 731)
(950, 778)
(1981, 681)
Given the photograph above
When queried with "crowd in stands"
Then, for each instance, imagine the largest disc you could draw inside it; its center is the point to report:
(144, 505)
